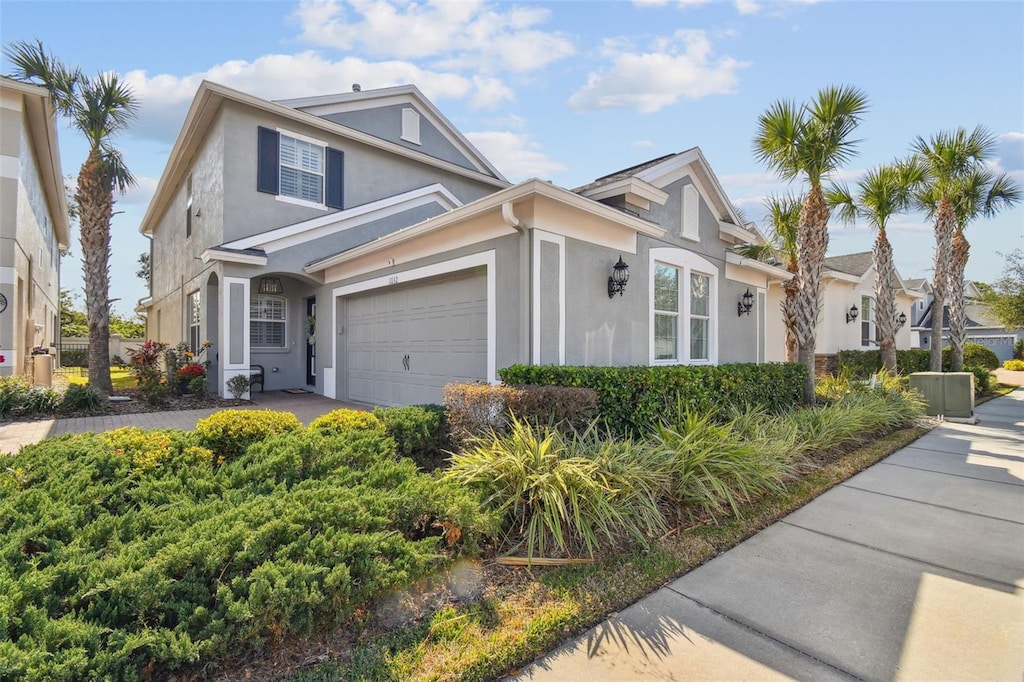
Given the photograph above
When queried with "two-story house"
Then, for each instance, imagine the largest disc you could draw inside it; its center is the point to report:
(33, 224)
(359, 245)
(982, 325)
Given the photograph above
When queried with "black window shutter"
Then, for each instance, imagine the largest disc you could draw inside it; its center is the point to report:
(268, 159)
(335, 179)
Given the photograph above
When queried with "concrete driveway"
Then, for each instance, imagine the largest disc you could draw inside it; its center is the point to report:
(911, 570)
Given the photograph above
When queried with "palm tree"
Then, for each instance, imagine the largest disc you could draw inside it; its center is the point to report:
(949, 157)
(98, 107)
(882, 193)
(980, 194)
(783, 219)
(810, 141)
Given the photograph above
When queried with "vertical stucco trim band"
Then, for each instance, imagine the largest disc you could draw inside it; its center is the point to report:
(540, 236)
(525, 302)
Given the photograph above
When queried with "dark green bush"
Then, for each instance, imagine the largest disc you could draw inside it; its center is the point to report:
(74, 357)
(420, 432)
(129, 556)
(631, 400)
(984, 380)
(975, 355)
(79, 398)
(864, 363)
(13, 393)
(229, 432)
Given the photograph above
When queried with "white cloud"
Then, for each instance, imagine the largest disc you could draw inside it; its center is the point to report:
(747, 6)
(1010, 151)
(141, 193)
(515, 155)
(646, 144)
(165, 98)
(465, 34)
(676, 66)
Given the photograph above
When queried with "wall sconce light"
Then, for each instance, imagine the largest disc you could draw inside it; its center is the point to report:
(271, 285)
(852, 314)
(901, 320)
(743, 307)
(617, 282)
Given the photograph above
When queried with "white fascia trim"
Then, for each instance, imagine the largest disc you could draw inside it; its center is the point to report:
(538, 237)
(485, 258)
(401, 95)
(736, 232)
(632, 185)
(670, 171)
(225, 321)
(322, 226)
(686, 261)
(225, 257)
(488, 203)
(840, 276)
(773, 271)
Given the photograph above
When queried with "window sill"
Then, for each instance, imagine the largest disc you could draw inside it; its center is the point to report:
(300, 202)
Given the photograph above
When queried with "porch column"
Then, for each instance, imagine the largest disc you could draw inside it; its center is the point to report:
(234, 332)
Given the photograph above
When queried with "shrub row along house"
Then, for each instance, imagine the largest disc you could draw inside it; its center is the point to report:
(33, 224)
(359, 245)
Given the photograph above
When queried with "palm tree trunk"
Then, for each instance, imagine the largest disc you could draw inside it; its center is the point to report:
(789, 315)
(960, 252)
(885, 301)
(812, 244)
(96, 205)
(940, 278)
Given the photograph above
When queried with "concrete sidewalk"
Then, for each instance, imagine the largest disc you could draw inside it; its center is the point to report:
(305, 406)
(911, 570)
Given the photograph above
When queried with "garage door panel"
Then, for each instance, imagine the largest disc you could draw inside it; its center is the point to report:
(441, 325)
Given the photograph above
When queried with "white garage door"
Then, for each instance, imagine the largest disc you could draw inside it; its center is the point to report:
(405, 343)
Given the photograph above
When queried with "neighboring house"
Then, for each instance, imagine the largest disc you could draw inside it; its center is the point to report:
(847, 320)
(359, 245)
(33, 224)
(982, 326)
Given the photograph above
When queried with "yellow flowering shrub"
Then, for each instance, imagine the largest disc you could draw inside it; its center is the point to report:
(229, 432)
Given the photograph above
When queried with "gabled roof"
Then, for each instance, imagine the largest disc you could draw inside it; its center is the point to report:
(916, 283)
(203, 111)
(42, 129)
(855, 264)
(361, 100)
(926, 319)
(621, 174)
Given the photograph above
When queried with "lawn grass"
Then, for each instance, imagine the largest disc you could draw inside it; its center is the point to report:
(120, 377)
(999, 391)
(526, 613)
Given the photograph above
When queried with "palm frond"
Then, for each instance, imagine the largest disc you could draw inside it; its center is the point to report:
(33, 64)
(840, 200)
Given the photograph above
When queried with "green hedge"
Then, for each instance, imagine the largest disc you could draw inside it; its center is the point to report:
(130, 555)
(863, 363)
(631, 400)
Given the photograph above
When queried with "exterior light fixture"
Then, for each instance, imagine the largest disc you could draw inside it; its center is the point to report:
(617, 282)
(851, 316)
(743, 306)
(271, 285)
(901, 320)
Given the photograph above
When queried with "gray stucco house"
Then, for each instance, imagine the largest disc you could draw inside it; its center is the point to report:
(358, 245)
(983, 327)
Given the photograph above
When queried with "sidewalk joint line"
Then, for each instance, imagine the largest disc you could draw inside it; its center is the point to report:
(993, 581)
(751, 628)
(932, 504)
(946, 473)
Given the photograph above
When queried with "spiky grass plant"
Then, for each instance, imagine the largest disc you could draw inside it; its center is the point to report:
(563, 494)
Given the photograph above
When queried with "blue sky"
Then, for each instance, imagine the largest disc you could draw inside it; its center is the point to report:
(569, 91)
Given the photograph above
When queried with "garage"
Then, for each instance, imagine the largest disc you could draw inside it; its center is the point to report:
(404, 343)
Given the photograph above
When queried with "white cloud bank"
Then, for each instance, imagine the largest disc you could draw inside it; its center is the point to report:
(679, 66)
(515, 155)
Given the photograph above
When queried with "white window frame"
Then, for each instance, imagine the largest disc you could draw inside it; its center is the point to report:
(686, 262)
(867, 317)
(281, 196)
(689, 214)
(411, 126)
(254, 300)
(195, 319)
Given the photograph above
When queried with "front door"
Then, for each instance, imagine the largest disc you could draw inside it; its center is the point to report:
(311, 341)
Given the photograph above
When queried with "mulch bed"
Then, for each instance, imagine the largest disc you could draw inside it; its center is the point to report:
(138, 405)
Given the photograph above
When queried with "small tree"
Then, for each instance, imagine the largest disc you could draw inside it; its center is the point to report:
(1006, 295)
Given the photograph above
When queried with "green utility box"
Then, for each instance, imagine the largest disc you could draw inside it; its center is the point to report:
(958, 395)
(931, 386)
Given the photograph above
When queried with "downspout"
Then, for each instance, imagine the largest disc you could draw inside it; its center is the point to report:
(524, 279)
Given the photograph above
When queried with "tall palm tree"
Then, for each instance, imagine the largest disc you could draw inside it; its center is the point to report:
(882, 193)
(783, 220)
(949, 157)
(98, 107)
(810, 141)
(983, 193)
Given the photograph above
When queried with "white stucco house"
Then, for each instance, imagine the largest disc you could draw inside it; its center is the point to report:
(847, 319)
(358, 245)
(33, 224)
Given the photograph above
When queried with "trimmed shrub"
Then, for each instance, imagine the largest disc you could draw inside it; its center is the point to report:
(563, 494)
(861, 364)
(128, 556)
(79, 398)
(229, 432)
(631, 400)
(1014, 365)
(345, 419)
(13, 393)
(475, 410)
(983, 380)
(420, 433)
(976, 355)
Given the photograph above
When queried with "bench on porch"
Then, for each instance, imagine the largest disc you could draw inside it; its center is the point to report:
(256, 374)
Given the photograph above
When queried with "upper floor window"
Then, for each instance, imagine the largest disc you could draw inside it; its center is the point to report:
(684, 301)
(299, 169)
(267, 318)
